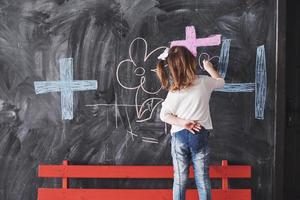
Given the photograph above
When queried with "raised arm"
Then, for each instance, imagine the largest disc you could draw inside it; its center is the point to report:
(210, 69)
(215, 81)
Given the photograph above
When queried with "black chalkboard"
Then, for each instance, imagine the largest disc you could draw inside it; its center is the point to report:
(110, 48)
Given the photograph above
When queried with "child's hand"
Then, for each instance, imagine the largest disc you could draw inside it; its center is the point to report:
(191, 125)
(207, 65)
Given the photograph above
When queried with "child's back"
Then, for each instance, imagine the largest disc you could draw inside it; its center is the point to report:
(192, 102)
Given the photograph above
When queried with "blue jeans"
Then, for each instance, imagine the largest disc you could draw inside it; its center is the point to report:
(187, 147)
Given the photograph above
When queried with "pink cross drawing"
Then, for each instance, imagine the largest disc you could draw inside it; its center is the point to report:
(191, 42)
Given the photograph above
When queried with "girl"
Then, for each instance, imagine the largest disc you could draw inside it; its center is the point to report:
(186, 108)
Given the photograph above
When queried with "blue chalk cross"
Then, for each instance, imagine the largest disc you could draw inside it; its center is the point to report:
(66, 86)
(260, 84)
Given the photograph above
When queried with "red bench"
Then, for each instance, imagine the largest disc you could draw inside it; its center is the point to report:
(66, 171)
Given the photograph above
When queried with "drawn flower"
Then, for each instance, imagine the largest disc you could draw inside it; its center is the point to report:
(138, 71)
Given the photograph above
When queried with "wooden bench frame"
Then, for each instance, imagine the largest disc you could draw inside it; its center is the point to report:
(66, 171)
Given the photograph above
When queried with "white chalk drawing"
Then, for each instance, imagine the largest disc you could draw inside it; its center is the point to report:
(145, 109)
(147, 106)
(206, 56)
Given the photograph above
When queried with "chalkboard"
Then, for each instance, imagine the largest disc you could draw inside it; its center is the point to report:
(77, 82)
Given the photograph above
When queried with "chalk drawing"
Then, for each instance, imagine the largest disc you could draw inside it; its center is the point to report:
(130, 131)
(206, 56)
(222, 69)
(261, 82)
(148, 105)
(66, 86)
(237, 87)
(145, 109)
(191, 42)
(224, 58)
(129, 124)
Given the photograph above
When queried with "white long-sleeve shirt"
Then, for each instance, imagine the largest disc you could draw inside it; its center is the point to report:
(191, 103)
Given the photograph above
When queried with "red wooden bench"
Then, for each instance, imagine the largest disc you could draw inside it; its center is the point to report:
(66, 171)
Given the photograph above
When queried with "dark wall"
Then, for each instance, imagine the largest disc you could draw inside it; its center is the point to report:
(292, 141)
(106, 128)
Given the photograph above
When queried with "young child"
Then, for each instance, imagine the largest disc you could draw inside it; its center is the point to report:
(186, 108)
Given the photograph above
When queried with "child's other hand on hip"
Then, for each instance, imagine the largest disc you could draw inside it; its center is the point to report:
(191, 125)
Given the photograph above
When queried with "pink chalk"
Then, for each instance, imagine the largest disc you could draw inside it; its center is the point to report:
(191, 42)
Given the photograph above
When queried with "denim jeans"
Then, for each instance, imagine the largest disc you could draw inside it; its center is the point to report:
(187, 147)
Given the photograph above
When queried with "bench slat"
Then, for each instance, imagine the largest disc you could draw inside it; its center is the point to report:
(83, 171)
(135, 194)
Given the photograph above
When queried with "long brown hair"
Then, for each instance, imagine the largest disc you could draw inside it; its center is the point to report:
(178, 70)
